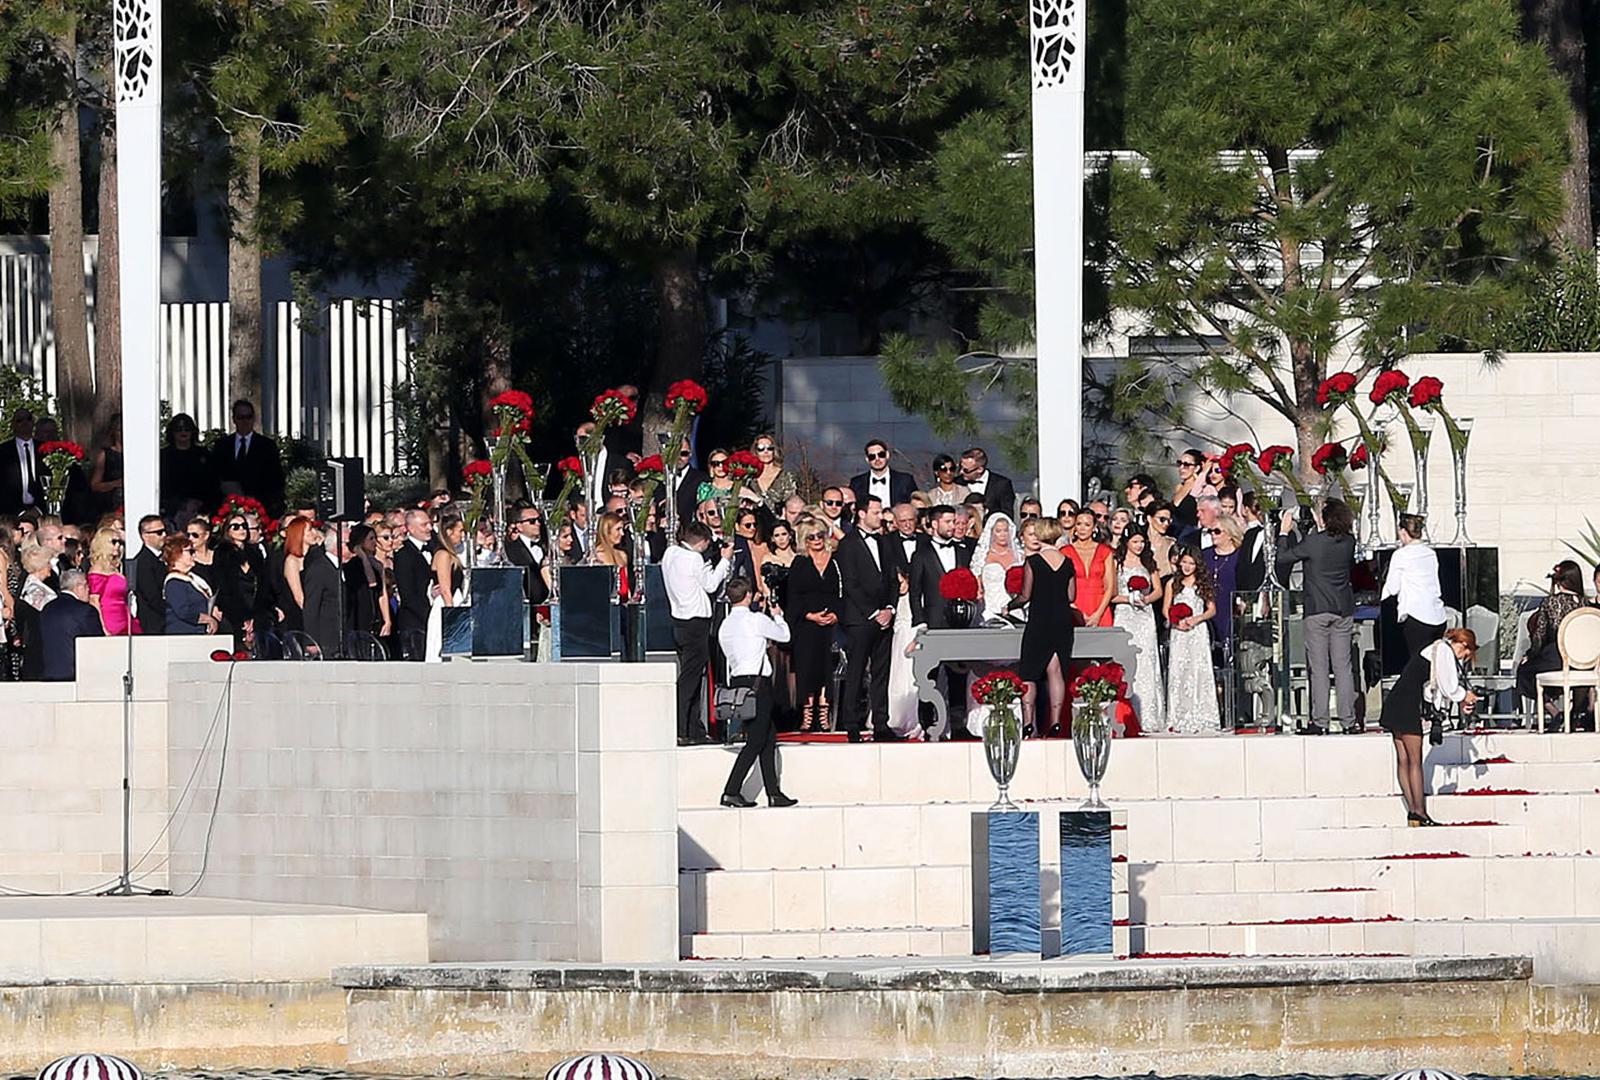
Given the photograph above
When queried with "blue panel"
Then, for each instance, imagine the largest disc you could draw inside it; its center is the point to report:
(590, 623)
(1085, 882)
(499, 611)
(1013, 883)
(455, 631)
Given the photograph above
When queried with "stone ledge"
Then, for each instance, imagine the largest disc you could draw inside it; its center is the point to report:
(958, 975)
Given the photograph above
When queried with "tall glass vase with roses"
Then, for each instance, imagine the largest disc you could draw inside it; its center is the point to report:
(743, 467)
(1427, 394)
(477, 477)
(572, 474)
(610, 409)
(60, 458)
(685, 400)
(1280, 459)
(651, 471)
(1392, 388)
(508, 441)
(1001, 693)
(1095, 693)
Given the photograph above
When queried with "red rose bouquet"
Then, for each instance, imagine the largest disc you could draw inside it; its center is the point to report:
(959, 584)
(514, 408)
(1428, 393)
(476, 476)
(1360, 457)
(1279, 458)
(476, 471)
(1389, 386)
(1235, 464)
(1179, 612)
(244, 504)
(1139, 583)
(744, 465)
(1099, 684)
(650, 468)
(1330, 456)
(998, 688)
(1337, 390)
(687, 395)
(571, 470)
(59, 458)
(612, 408)
(570, 466)
(1014, 581)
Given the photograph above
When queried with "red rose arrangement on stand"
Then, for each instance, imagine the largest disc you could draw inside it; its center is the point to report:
(612, 407)
(1099, 684)
(743, 466)
(475, 475)
(1428, 393)
(1331, 459)
(59, 457)
(998, 688)
(1235, 465)
(959, 584)
(1280, 459)
(571, 470)
(652, 471)
(1360, 457)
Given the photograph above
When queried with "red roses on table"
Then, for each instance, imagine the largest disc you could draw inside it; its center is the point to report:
(1274, 456)
(688, 394)
(1179, 612)
(997, 688)
(959, 584)
(1329, 456)
(1388, 384)
(1014, 581)
(1336, 389)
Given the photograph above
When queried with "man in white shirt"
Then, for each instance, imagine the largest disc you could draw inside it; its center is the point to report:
(690, 580)
(744, 637)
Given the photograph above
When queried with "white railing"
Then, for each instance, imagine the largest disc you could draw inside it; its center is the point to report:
(329, 378)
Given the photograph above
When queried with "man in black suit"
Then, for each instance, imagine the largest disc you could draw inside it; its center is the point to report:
(21, 483)
(62, 622)
(941, 554)
(320, 583)
(905, 538)
(999, 495)
(891, 486)
(526, 549)
(413, 573)
(150, 576)
(247, 462)
(867, 574)
(687, 496)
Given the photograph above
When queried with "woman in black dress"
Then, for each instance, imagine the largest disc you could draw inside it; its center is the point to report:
(363, 584)
(1048, 588)
(1544, 627)
(186, 468)
(1435, 672)
(236, 572)
(105, 480)
(816, 595)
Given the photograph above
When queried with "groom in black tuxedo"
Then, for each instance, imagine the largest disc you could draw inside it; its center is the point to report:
(871, 588)
(940, 555)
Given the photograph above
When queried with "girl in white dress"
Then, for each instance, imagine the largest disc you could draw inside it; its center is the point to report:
(994, 555)
(1191, 687)
(1133, 612)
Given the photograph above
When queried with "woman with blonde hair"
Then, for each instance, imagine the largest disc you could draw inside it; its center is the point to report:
(108, 588)
(609, 549)
(816, 597)
(775, 484)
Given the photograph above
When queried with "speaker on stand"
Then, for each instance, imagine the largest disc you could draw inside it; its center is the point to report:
(341, 500)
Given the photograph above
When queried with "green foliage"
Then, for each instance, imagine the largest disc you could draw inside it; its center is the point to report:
(1315, 173)
(32, 82)
(737, 380)
(1560, 311)
(1590, 539)
(20, 391)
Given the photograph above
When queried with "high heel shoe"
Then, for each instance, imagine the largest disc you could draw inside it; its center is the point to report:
(1420, 821)
(808, 715)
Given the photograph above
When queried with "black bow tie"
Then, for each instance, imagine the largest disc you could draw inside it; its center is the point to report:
(944, 543)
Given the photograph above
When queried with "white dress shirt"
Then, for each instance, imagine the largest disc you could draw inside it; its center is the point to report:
(946, 550)
(690, 581)
(744, 635)
(879, 486)
(1414, 578)
(977, 484)
(533, 549)
(908, 544)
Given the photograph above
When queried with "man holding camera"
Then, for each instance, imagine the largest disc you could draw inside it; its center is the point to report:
(690, 581)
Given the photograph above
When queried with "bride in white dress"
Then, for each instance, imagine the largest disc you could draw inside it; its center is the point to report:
(1133, 613)
(1191, 687)
(995, 554)
(904, 714)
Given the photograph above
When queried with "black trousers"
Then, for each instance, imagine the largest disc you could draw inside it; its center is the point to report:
(692, 639)
(760, 740)
(869, 648)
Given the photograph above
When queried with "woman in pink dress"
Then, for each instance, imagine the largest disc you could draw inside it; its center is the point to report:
(108, 589)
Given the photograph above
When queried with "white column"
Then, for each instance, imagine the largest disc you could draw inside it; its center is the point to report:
(1057, 42)
(138, 63)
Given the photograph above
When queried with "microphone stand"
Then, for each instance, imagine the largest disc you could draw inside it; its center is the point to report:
(125, 885)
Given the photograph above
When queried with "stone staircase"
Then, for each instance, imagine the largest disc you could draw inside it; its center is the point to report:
(1237, 846)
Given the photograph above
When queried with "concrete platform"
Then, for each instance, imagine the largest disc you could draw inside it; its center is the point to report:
(957, 1016)
(166, 939)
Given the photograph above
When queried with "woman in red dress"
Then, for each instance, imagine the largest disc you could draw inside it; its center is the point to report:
(1095, 569)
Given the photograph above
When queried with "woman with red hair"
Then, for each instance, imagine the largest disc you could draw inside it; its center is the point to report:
(292, 593)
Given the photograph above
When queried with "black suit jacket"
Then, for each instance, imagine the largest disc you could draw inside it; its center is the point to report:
(413, 572)
(1000, 496)
(895, 544)
(320, 582)
(869, 586)
(259, 474)
(533, 586)
(927, 605)
(687, 490)
(11, 478)
(62, 622)
(901, 485)
(1252, 571)
(149, 584)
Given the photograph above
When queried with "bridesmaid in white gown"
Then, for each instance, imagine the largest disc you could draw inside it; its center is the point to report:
(1133, 612)
(1191, 687)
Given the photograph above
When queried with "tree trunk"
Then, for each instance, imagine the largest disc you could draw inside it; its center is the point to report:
(69, 308)
(496, 370)
(108, 286)
(1558, 26)
(244, 271)
(681, 318)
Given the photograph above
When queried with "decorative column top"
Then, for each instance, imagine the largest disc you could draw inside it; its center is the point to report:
(1056, 38)
(135, 22)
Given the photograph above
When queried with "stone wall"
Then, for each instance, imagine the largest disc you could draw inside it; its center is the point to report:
(529, 809)
(61, 768)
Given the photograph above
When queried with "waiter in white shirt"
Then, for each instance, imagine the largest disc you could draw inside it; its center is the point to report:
(1413, 579)
(690, 580)
(744, 637)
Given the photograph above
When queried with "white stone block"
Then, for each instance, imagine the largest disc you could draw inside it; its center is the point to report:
(797, 838)
(709, 840)
(871, 899)
(942, 774)
(1200, 768)
(1274, 766)
(1523, 888)
(1221, 830)
(738, 901)
(798, 900)
(880, 835)
(944, 897)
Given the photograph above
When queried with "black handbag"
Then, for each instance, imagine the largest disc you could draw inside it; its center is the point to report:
(735, 707)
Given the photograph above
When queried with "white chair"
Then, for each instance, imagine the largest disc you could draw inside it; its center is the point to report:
(1578, 638)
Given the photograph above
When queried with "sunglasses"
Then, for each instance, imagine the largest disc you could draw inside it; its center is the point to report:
(832, 502)
(153, 532)
(1215, 532)
(718, 461)
(238, 526)
(529, 521)
(877, 455)
(195, 536)
(767, 449)
(1188, 464)
(1163, 518)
